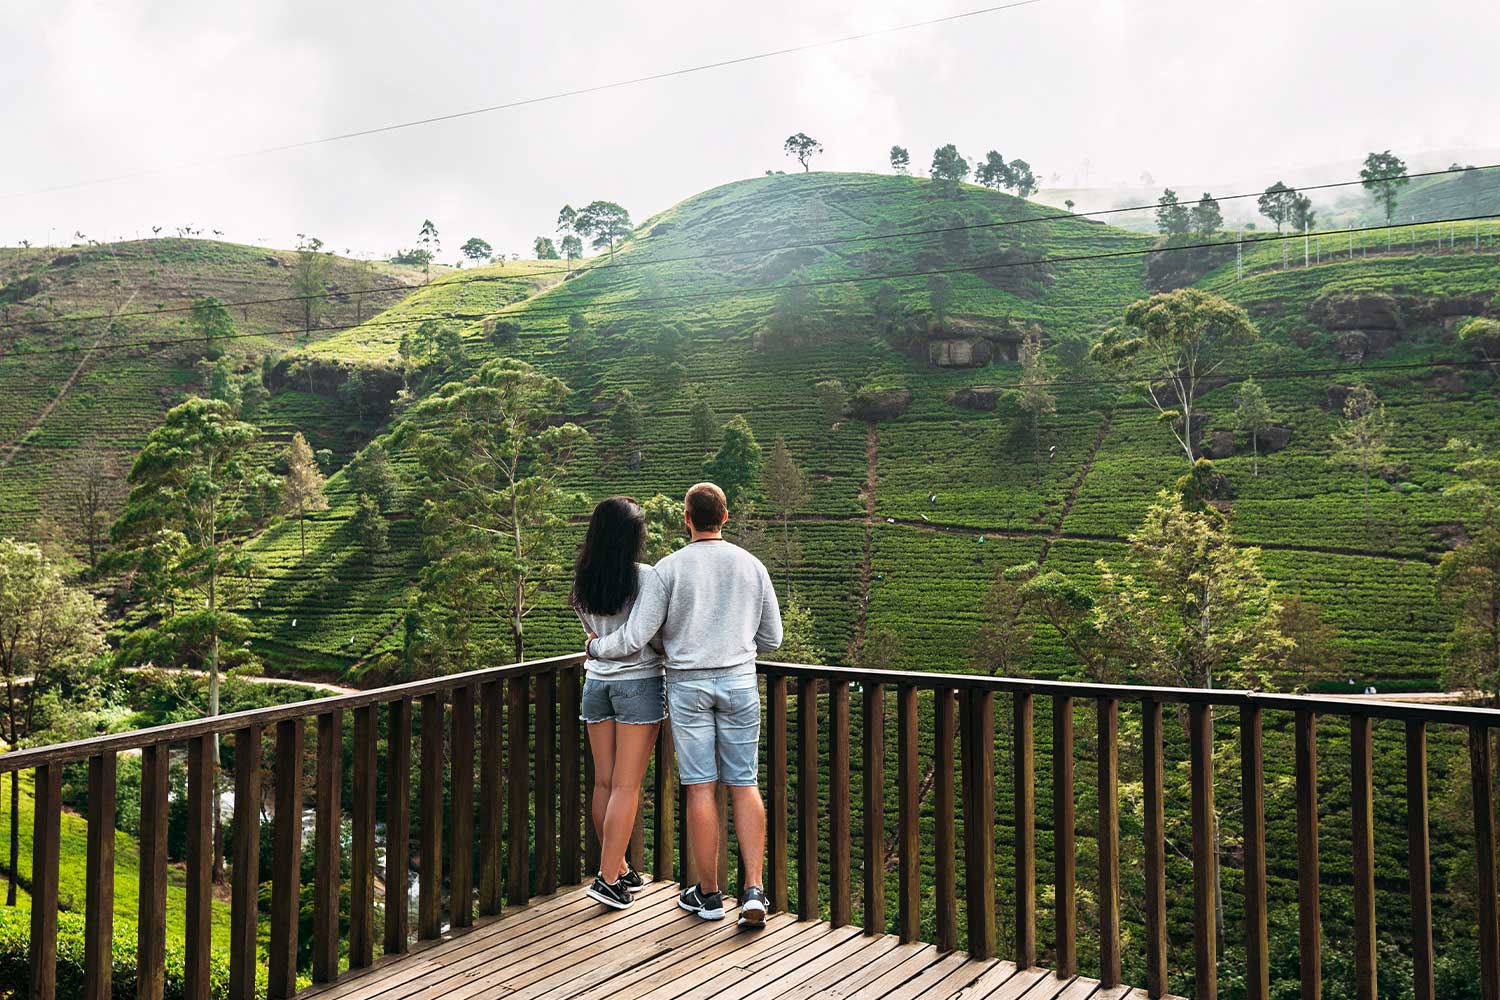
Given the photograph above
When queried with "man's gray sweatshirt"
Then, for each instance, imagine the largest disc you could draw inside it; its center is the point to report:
(711, 603)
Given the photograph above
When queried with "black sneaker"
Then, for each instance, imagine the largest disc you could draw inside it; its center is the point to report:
(613, 894)
(753, 907)
(632, 879)
(708, 905)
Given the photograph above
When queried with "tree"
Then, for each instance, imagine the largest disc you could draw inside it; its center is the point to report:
(900, 160)
(351, 392)
(1032, 393)
(494, 453)
(803, 147)
(667, 378)
(1362, 441)
(1068, 203)
(1384, 175)
(1276, 203)
(1172, 217)
(302, 489)
(790, 311)
(195, 492)
(736, 466)
(949, 169)
(787, 491)
(1303, 214)
(435, 344)
(704, 421)
(581, 339)
(544, 248)
(626, 421)
(1482, 336)
(833, 397)
(310, 280)
(993, 172)
(886, 305)
(566, 219)
(428, 242)
(940, 295)
(1020, 179)
(1003, 639)
(93, 491)
(213, 323)
(372, 475)
(1468, 577)
(1169, 342)
(45, 624)
(369, 524)
(798, 634)
(1207, 217)
(477, 250)
(572, 248)
(1252, 416)
(605, 222)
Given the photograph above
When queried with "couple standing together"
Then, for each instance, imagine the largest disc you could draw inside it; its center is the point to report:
(678, 639)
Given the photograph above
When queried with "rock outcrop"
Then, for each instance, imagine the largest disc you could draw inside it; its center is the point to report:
(876, 405)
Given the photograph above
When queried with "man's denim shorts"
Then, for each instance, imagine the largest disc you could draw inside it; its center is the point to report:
(638, 702)
(715, 726)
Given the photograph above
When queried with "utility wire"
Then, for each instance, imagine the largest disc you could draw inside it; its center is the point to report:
(745, 251)
(545, 309)
(529, 101)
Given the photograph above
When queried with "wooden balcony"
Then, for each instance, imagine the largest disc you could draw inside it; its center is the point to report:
(500, 836)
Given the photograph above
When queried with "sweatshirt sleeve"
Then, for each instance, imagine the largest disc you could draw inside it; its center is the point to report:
(768, 635)
(646, 617)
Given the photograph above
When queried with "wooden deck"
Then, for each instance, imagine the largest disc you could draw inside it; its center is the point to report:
(568, 947)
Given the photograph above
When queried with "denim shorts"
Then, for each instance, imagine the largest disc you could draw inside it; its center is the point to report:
(638, 702)
(715, 727)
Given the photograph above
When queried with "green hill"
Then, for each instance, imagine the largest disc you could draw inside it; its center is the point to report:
(956, 493)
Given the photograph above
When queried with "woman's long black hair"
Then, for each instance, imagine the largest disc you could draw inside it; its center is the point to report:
(604, 577)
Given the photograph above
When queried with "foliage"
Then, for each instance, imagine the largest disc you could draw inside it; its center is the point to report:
(1383, 175)
(92, 491)
(1173, 218)
(1020, 179)
(798, 635)
(949, 169)
(1003, 640)
(833, 398)
(310, 280)
(572, 247)
(302, 487)
(544, 249)
(1169, 342)
(1364, 437)
(705, 423)
(603, 221)
(900, 160)
(212, 322)
(993, 172)
(787, 491)
(1468, 577)
(369, 524)
(477, 250)
(736, 466)
(803, 147)
(1482, 336)
(940, 295)
(1208, 219)
(372, 475)
(626, 420)
(1032, 393)
(1252, 416)
(1277, 203)
(430, 244)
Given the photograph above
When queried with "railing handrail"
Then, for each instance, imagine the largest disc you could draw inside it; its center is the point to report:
(175, 732)
(1398, 710)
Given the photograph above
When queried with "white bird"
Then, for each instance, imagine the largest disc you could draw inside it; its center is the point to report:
(890, 520)
(294, 623)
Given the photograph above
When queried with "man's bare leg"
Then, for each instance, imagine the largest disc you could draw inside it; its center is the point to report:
(703, 832)
(750, 826)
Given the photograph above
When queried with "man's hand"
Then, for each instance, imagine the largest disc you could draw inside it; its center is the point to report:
(586, 642)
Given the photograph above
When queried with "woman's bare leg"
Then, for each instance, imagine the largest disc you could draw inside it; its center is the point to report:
(602, 746)
(633, 747)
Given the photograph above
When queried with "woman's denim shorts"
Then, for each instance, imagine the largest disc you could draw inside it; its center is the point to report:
(637, 702)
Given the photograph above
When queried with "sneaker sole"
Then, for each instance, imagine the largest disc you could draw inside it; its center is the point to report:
(752, 918)
(706, 914)
(606, 900)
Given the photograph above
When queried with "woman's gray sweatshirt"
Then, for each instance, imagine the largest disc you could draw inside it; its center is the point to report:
(712, 606)
(635, 665)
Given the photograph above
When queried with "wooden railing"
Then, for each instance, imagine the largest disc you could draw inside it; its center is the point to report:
(519, 827)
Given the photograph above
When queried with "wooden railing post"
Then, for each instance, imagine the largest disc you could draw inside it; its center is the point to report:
(461, 833)
(1481, 770)
(1205, 861)
(99, 895)
(151, 892)
(873, 840)
(977, 728)
(430, 836)
(1309, 905)
(944, 847)
(545, 749)
(664, 792)
(398, 827)
(198, 927)
(1024, 757)
(776, 786)
(1362, 812)
(327, 834)
(808, 907)
(1064, 862)
(840, 905)
(518, 725)
(908, 839)
(286, 866)
(244, 905)
(1109, 842)
(491, 815)
(571, 740)
(362, 842)
(1253, 811)
(1419, 861)
(46, 834)
(1153, 778)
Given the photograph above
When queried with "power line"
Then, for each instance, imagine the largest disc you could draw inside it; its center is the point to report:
(529, 101)
(545, 309)
(835, 241)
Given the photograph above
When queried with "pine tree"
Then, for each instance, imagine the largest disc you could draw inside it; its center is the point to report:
(736, 466)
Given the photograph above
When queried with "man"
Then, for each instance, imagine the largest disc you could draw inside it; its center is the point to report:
(714, 609)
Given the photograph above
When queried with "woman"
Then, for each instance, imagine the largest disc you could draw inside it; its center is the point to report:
(624, 701)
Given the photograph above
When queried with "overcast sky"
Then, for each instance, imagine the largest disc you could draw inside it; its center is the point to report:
(1195, 92)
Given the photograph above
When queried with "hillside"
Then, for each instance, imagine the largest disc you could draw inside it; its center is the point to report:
(955, 493)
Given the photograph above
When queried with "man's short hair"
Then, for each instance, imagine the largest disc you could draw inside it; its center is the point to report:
(707, 507)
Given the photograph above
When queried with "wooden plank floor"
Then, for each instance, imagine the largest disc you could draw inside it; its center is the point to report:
(568, 947)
